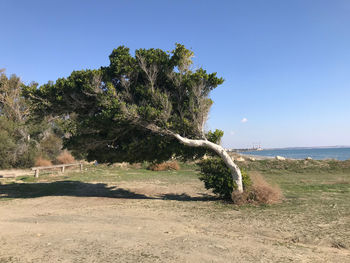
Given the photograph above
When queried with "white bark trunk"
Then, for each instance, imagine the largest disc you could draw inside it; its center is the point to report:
(235, 171)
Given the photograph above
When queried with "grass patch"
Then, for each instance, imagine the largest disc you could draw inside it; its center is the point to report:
(110, 174)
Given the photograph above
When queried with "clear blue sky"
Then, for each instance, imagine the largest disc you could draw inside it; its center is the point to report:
(286, 64)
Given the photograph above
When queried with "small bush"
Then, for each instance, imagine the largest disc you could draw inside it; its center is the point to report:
(127, 166)
(260, 192)
(50, 147)
(217, 176)
(65, 158)
(27, 158)
(42, 162)
(171, 165)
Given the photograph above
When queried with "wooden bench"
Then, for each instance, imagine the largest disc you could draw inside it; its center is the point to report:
(62, 166)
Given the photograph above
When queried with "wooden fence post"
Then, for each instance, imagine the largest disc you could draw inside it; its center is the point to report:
(62, 166)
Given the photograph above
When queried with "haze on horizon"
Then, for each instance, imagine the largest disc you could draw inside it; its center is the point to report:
(286, 64)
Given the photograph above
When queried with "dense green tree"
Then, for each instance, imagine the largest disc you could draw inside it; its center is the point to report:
(151, 106)
(15, 146)
(7, 143)
(22, 140)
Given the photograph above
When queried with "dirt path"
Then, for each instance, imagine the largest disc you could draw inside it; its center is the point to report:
(102, 229)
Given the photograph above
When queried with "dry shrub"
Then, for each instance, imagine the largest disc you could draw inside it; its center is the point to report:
(259, 193)
(42, 162)
(123, 165)
(126, 166)
(65, 158)
(135, 165)
(170, 165)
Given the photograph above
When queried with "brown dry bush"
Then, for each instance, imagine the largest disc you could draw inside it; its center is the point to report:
(42, 162)
(259, 193)
(65, 158)
(127, 166)
(135, 165)
(170, 165)
(123, 165)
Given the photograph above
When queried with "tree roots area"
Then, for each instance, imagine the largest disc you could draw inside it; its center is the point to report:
(131, 214)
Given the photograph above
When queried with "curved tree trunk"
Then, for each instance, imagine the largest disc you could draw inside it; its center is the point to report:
(235, 171)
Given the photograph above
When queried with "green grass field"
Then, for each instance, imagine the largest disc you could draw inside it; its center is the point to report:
(316, 200)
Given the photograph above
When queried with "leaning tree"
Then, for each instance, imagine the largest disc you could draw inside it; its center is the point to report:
(150, 106)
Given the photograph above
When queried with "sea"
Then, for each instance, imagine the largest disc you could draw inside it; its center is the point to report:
(338, 153)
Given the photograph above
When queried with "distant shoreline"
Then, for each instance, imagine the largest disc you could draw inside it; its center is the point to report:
(258, 157)
(320, 153)
(302, 147)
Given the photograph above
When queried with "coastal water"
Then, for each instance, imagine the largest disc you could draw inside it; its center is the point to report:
(302, 153)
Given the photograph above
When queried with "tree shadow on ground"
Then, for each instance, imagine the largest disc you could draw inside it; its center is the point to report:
(81, 189)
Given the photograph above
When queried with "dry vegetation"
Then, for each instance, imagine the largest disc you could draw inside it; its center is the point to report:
(166, 166)
(65, 158)
(261, 192)
(127, 166)
(40, 161)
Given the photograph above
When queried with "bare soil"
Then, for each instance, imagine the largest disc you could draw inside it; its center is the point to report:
(146, 222)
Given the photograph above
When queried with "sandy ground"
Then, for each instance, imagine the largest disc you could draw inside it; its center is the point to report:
(155, 224)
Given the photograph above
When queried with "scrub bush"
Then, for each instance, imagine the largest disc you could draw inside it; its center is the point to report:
(217, 176)
(42, 162)
(65, 158)
(166, 166)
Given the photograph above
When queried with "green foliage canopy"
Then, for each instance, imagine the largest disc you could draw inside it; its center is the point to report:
(128, 110)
